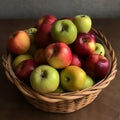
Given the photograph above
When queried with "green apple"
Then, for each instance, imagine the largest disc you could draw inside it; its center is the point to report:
(64, 31)
(59, 90)
(73, 78)
(31, 32)
(83, 23)
(88, 82)
(44, 79)
(99, 49)
(20, 58)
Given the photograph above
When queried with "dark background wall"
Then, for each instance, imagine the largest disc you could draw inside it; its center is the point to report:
(60, 8)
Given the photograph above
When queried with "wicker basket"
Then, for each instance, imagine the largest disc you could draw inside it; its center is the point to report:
(64, 102)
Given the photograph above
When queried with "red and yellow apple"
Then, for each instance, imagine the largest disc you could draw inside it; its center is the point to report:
(58, 55)
(19, 42)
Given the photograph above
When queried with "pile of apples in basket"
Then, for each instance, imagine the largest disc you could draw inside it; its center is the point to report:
(58, 55)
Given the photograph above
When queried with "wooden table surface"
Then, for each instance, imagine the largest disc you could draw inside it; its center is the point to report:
(13, 106)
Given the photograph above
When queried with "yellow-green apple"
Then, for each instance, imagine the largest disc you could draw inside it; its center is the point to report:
(64, 31)
(83, 23)
(59, 90)
(31, 32)
(76, 60)
(46, 19)
(58, 55)
(88, 82)
(24, 69)
(19, 42)
(39, 56)
(97, 66)
(43, 35)
(18, 59)
(44, 79)
(72, 78)
(84, 45)
(99, 49)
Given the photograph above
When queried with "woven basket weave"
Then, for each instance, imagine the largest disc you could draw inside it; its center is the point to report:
(64, 102)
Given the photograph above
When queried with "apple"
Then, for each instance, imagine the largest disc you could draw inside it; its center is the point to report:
(39, 56)
(97, 66)
(58, 55)
(64, 31)
(32, 49)
(44, 79)
(18, 59)
(19, 42)
(99, 49)
(72, 78)
(76, 60)
(31, 32)
(84, 45)
(83, 23)
(59, 90)
(24, 69)
(92, 33)
(43, 35)
(46, 19)
(88, 82)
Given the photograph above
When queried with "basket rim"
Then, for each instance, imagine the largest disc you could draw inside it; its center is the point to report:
(56, 97)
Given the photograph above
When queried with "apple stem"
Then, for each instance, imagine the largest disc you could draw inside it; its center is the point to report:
(100, 53)
(64, 27)
(43, 74)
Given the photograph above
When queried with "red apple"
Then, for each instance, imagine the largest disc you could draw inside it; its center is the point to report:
(39, 56)
(92, 33)
(76, 60)
(24, 69)
(46, 19)
(19, 42)
(43, 35)
(58, 55)
(84, 45)
(97, 66)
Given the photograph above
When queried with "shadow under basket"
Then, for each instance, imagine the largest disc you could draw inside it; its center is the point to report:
(64, 102)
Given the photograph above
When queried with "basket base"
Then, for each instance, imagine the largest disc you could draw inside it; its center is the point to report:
(66, 106)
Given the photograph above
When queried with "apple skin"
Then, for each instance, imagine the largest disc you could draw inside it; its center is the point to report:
(39, 56)
(44, 79)
(83, 23)
(64, 31)
(76, 60)
(18, 59)
(58, 55)
(73, 78)
(46, 19)
(59, 90)
(31, 32)
(84, 45)
(19, 42)
(99, 49)
(24, 69)
(88, 82)
(43, 35)
(97, 66)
